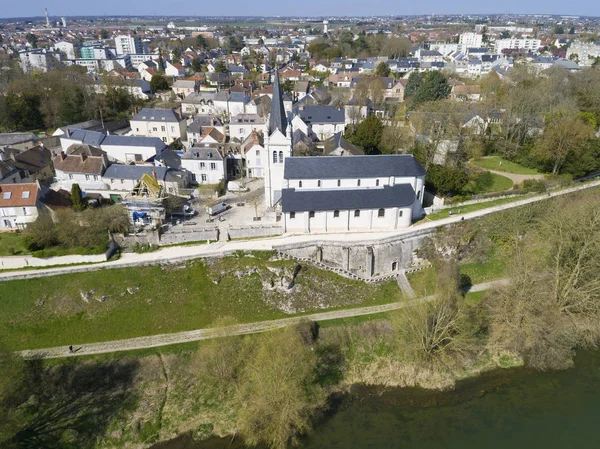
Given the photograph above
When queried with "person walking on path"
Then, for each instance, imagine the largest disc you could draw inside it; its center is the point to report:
(71, 349)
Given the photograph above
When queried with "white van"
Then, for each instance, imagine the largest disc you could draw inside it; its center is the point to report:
(217, 208)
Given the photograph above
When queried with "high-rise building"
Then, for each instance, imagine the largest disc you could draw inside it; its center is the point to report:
(128, 45)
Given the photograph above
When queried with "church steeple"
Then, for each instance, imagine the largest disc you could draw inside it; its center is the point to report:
(277, 118)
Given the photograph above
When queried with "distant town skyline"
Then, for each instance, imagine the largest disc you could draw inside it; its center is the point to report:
(35, 8)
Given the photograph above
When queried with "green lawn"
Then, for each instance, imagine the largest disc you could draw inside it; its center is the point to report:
(474, 298)
(50, 311)
(423, 282)
(14, 241)
(499, 164)
(493, 268)
(499, 184)
(445, 213)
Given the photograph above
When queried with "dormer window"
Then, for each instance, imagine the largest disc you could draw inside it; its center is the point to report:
(300, 184)
(319, 183)
(358, 183)
(339, 182)
(377, 182)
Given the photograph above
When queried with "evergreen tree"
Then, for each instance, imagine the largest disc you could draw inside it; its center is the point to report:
(158, 82)
(368, 135)
(200, 42)
(382, 69)
(77, 197)
(220, 67)
(413, 84)
(433, 87)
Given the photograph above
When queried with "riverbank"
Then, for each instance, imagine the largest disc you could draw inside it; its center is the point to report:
(518, 408)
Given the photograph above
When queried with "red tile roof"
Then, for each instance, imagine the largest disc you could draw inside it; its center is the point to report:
(18, 195)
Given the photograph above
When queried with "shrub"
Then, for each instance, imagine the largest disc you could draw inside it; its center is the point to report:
(83, 231)
(533, 185)
(221, 188)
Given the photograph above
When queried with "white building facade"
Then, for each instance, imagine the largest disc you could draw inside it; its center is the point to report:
(345, 194)
(206, 165)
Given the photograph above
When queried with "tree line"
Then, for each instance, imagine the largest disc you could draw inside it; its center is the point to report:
(52, 99)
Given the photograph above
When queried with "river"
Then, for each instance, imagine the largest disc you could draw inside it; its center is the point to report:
(505, 409)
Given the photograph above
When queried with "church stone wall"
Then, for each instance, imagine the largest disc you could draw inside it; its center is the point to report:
(366, 258)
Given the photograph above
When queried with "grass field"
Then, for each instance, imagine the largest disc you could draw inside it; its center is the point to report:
(445, 213)
(499, 164)
(493, 268)
(423, 282)
(499, 184)
(12, 240)
(51, 311)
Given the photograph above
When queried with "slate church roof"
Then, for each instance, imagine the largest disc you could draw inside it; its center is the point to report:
(277, 118)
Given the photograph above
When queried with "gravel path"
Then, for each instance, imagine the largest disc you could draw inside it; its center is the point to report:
(515, 178)
(153, 341)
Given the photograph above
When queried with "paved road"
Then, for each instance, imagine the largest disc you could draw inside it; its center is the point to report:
(228, 331)
(182, 253)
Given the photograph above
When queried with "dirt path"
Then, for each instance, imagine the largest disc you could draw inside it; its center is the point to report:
(153, 341)
(516, 179)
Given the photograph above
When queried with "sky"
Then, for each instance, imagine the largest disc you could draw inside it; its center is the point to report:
(28, 8)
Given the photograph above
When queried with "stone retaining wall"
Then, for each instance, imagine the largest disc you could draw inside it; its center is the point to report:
(373, 260)
(193, 235)
(245, 232)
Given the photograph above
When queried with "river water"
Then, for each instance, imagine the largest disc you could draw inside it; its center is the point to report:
(505, 409)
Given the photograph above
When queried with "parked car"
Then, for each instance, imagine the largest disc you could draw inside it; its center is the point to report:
(217, 208)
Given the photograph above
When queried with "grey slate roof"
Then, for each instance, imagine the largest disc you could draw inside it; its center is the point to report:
(184, 84)
(248, 119)
(93, 138)
(156, 115)
(202, 154)
(134, 141)
(399, 195)
(89, 124)
(169, 158)
(277, 118)
(200, 97)
(336, 145)
(341, 167)
(135, 172)
(203, 121)
(14, 138)
(322, 114)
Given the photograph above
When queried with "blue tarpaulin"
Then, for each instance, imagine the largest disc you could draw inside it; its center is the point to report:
(137, 215)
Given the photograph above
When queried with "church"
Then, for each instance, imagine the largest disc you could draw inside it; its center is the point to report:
(337, 193)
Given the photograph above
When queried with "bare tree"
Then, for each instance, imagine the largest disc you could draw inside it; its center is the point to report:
(438, 331)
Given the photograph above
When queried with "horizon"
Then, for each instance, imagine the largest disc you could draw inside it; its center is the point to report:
(352, 8)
